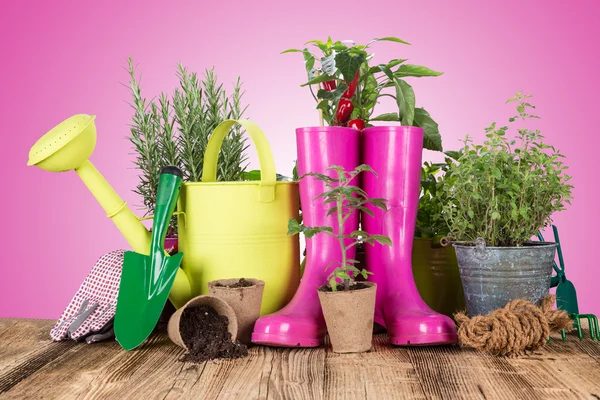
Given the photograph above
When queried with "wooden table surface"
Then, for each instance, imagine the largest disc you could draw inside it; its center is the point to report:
(33, 367)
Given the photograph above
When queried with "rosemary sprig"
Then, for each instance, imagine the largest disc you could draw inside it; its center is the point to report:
(144, 139)
(176, 131)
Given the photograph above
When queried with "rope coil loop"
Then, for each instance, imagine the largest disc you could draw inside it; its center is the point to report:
(514, 329)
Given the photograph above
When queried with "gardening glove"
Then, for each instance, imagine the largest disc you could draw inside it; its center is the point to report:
(91, 311)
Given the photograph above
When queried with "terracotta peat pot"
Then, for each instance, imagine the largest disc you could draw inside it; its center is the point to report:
(349, 318)
(244, 300)
(217, 304)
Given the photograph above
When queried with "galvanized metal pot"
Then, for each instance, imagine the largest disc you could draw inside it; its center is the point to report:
(494, 276)
(436, 275)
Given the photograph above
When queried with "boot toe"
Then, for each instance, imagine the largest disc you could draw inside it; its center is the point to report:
(423, 328)
(288, 331)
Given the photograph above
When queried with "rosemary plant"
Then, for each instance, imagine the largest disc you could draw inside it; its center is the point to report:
(177, 131)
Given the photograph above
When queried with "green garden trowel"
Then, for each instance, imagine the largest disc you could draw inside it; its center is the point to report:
(146, 280)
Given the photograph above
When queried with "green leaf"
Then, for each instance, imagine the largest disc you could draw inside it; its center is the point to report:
(432, 140)
(317, 79)
(358, 233)
(391, 64)
(334, 95)
(388, 39)
(309, 61)
(291, 51)
(253, 175)
(455, 155)
(322, 46)
(366, 211)
(293, 227)
(386, 117)
(405, 97)
(417, 71)
(382, 239)
(349, 64)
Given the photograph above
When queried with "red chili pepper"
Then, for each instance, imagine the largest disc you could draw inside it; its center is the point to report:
(329, 85)
(357, 124)
(345, 108)
(351, 88)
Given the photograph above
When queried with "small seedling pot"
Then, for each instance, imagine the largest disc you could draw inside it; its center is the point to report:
(245, 302)
(219, 305)
(349, 318)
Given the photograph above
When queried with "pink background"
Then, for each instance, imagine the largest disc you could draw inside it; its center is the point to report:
(60, 58)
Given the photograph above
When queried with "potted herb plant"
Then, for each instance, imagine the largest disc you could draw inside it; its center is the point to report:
(352, 84)
(435, 267)
(500, 194)
(202, 125)
(350, 328)
(175, 131)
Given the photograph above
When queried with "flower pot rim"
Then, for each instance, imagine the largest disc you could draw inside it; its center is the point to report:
(255, 283)
(526, 246)
(370, 285)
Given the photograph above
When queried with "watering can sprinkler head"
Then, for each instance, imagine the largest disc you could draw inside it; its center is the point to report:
(66, 146)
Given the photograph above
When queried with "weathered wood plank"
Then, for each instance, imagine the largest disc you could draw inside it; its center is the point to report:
(22, 339)
(296, 374)
(34, 367)
(383, 373)
(450, 372)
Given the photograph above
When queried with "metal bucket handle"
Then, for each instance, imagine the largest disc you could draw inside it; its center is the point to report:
(481, 252)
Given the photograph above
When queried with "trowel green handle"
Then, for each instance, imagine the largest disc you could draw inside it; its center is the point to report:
(169, 186)
(559, 248)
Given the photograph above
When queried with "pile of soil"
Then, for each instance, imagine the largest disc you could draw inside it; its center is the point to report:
(341, 288)
(241, 283)
(204, 333)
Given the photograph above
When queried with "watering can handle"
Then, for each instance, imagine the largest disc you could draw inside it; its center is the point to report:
(268, 174)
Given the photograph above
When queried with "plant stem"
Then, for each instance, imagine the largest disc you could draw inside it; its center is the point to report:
(340, 236)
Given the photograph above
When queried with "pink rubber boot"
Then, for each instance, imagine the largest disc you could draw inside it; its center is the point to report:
(394, 152)
(300, 323)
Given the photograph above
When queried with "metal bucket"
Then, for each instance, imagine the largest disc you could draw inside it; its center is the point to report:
(435, 270)
(494, 276)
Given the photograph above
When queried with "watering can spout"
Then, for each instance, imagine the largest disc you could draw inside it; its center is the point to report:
(68, 146)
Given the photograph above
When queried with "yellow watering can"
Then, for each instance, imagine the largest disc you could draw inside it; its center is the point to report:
(69, 145)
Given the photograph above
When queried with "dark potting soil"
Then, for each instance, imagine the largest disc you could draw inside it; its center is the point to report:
(204, 333)
(341, 288)
(241, 283)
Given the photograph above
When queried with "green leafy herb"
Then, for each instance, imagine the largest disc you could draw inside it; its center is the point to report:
(341, 61)
(505, 190)
(176, 131)
(344, 200)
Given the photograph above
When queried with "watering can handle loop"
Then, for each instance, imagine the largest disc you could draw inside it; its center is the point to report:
(268, 174)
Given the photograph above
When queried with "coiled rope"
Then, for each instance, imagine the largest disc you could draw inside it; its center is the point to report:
(514, 329)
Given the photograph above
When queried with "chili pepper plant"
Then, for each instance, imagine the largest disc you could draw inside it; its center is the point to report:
(352, 83)
(345, 199)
